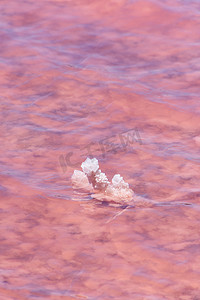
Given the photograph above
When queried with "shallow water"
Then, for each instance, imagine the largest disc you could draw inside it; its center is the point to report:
(117, 80)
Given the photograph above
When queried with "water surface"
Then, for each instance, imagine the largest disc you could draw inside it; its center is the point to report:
(76, 77)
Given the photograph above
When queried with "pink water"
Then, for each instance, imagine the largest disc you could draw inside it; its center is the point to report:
(74, 77)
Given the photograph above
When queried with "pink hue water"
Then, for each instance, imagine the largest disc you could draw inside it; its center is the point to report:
(74, 73)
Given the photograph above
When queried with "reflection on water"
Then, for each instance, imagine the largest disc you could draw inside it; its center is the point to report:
(75, 75)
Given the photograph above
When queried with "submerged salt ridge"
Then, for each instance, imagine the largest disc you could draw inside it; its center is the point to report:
(92, 179)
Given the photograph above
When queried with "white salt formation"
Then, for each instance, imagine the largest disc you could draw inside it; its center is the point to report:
(80, 180)
(119, 189)
(90, 166)
(101, 181)
(92, 178)
(118, 182)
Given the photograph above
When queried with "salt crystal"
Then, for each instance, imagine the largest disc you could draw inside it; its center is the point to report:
(90, 165)
(101, 180)
(118, 182)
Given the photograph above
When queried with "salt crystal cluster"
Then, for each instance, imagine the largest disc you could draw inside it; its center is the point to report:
(93, 178)
(101, 180)
(90, 166)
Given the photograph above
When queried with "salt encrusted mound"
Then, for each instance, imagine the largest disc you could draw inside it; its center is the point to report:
(80, 180)
(92, 178)
(118, 194)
